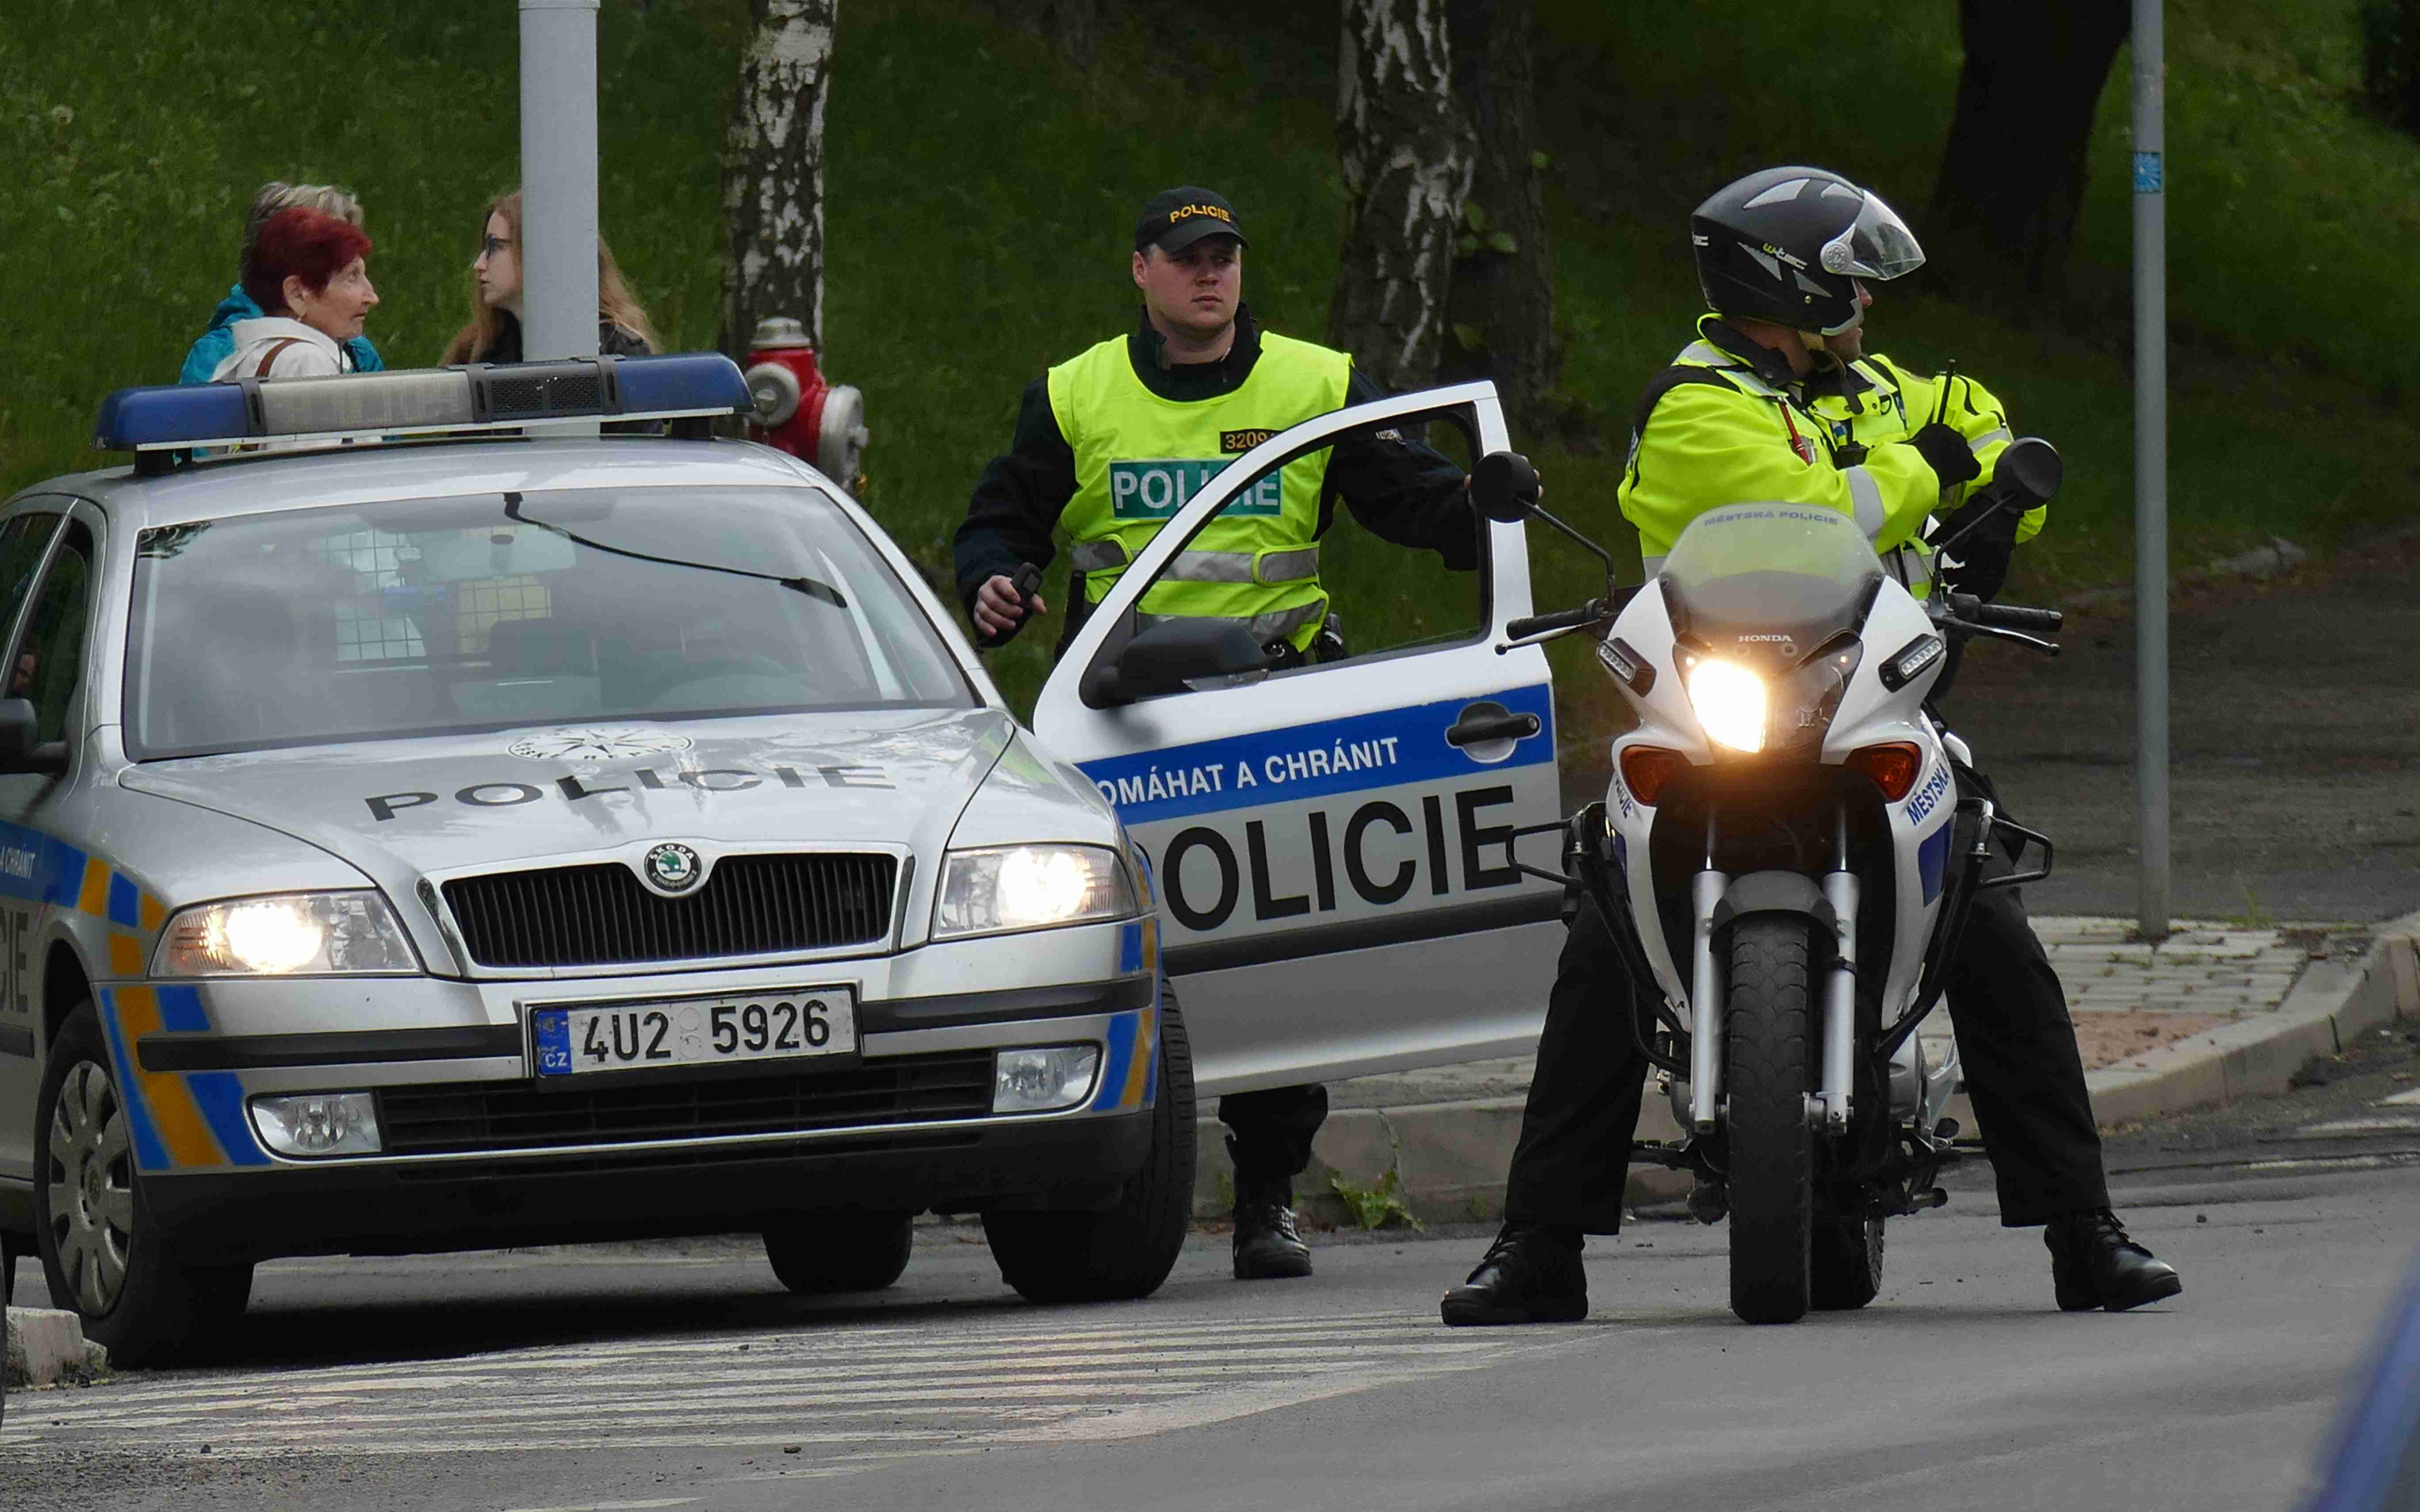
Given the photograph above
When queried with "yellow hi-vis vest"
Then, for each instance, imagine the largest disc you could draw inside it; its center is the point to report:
(1738, 440)
(1140, 458)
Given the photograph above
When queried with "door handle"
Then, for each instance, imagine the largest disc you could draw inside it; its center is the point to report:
(1488, 722)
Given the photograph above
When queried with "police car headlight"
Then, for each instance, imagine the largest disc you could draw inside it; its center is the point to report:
(1009, 888)
(296, 934)
(1730, 701)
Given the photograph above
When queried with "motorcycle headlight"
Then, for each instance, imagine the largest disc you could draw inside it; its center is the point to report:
(291, 935)
(1730, 701)
(1006, 888)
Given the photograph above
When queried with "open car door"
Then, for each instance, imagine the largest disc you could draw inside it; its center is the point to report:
(1332, 843)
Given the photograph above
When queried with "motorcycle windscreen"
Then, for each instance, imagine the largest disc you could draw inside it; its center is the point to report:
(1769, 583)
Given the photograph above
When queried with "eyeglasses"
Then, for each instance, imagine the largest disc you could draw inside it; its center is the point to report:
(489, 246)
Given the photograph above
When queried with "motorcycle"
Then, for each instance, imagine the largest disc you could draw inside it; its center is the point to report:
(1788, 852)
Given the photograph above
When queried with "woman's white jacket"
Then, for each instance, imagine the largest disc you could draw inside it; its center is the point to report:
(280, 347)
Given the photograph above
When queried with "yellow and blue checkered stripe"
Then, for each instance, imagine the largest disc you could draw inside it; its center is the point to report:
(177, 1120)
(1130, 1060)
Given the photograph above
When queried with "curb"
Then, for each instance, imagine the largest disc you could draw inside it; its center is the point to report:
(1450, 1158)
(47, 1346)
(2332, 1004)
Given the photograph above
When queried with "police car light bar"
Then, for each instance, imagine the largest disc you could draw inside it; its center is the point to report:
(482, 396)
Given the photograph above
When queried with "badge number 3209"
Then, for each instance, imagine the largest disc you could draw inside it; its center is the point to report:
(776, 1025)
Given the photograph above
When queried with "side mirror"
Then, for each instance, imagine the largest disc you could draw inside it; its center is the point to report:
(1504, 487)
(21, 741)
(1170, 656)
(2031, 470)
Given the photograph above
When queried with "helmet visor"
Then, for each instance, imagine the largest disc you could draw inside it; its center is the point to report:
(1876, 245)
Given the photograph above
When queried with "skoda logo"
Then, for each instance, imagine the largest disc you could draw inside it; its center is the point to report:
(672, 868)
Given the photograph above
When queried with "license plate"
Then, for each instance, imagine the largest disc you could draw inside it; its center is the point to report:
(783, 1024)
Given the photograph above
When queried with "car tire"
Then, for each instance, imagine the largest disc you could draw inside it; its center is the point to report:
(1128, 1250)
(102, 1253)
(817, 1254)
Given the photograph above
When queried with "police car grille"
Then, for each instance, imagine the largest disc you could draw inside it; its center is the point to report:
(431, 1120)
(602, 915)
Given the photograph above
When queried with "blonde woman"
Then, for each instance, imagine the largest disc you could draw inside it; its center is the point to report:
(493, 334)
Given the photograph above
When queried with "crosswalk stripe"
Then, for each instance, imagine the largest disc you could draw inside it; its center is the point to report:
(917, 1388)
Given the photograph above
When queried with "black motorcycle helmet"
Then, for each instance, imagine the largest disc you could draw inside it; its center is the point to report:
(1787, 245)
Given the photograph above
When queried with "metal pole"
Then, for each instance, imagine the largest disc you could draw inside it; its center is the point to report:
(558, 179)
(2151, 466)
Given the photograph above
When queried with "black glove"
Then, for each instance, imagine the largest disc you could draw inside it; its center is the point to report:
(1952, 458)
(1977, 561)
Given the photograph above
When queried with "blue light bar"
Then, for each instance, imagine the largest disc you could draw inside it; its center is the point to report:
(368, 406)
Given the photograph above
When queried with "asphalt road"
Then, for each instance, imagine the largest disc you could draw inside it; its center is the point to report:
(631, 1377)
(2294, 739)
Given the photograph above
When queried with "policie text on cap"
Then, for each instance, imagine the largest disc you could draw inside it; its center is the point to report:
(1175, 219)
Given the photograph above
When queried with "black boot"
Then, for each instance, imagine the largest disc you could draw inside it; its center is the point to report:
(2094, 1264)
(1530, 1275)
(1267, 1244)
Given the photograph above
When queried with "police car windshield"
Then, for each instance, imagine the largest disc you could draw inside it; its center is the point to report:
(1777, 578)
(431, 616)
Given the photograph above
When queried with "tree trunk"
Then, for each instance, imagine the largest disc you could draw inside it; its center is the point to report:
(1406, 149)
(773, 172)
(1500, 305)
(2013, 172)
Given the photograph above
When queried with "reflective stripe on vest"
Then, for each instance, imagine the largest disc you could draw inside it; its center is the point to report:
(1140, 458)
(1283, 566)
(1277, 625)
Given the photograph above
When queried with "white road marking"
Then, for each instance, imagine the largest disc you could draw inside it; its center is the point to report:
(851, 1399)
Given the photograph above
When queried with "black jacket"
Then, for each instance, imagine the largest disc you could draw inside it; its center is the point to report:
(1401, 491)
(612, 341)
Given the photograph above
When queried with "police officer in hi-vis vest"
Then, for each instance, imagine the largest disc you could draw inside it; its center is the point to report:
(1109, 444)
(1777, 398)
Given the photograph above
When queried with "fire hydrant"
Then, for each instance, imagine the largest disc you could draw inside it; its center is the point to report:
(798, 412)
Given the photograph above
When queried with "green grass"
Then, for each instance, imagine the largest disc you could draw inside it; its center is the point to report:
(982, 188)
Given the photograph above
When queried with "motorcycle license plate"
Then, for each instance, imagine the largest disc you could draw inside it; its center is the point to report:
(782, 1023)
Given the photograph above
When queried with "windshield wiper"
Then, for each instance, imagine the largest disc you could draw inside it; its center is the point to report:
(808, 586)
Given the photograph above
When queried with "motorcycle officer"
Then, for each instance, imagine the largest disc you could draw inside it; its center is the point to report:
(1109, 444)
(1776, 399)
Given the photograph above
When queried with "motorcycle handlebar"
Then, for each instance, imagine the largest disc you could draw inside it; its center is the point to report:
(2014, 617)
(1521, 629)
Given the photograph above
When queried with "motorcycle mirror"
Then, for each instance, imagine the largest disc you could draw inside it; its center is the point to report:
(1504, 487)
(2031, 468)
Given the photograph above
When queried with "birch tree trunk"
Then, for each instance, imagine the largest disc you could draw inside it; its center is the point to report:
(1500, 304)
(773, 172)
(1406, 149)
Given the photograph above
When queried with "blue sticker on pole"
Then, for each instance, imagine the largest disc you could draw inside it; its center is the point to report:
(2146, 173)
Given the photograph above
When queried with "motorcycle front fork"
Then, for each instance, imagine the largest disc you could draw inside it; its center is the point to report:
(1828, 1109)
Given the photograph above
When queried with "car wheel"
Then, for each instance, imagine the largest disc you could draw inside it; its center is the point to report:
(100, 1252)
(1128, 1250)
(816, 1253)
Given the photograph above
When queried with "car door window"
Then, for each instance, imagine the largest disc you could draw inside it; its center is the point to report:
(23, 539)
(49, 662)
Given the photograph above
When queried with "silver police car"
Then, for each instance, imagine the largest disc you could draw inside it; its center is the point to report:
(507, 838)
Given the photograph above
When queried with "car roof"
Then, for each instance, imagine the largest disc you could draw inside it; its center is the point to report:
(265, 483)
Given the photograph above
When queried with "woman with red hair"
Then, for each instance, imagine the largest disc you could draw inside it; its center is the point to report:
(308, 272)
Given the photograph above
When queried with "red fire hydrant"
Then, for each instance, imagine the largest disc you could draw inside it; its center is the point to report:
(796, 411)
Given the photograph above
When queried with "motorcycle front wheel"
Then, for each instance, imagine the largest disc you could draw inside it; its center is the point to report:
(1770, 1019)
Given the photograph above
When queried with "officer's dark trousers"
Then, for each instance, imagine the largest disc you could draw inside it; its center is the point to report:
(2024, 1074)
(1269, 1131)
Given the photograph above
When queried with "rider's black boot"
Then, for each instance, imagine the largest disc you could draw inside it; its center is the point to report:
(2095, 1264)
(1530, 1275)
